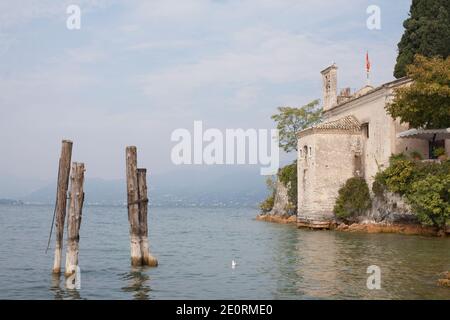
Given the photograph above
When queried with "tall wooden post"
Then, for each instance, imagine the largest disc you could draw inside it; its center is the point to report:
(74, 218)
(147, 258)
(61, 196)
(133, 205)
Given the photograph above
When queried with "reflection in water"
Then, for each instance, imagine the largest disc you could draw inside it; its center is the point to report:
(60, 293)
(333, 265)
(273, 261)
(137, 283)
(56, 287)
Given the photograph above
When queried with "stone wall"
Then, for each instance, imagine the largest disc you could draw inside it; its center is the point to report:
(327, 165)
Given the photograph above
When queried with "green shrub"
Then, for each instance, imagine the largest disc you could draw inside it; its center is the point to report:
(416, 155)
(288, 176)
(425, 185)
(397, 157)
(399, 176)
(353, 199)
(439, 152)
(429, 198)
(267, 205)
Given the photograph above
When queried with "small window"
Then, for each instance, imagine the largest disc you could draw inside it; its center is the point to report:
(365, 129)
(310, 151)
(305, 151)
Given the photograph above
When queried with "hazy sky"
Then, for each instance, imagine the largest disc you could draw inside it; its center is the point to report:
(137, 70)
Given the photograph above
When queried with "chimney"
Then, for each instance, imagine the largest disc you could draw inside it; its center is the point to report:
(329, 76)
(344, 95)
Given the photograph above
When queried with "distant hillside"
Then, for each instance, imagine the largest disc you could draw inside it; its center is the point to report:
(197, 186)
(11, 202)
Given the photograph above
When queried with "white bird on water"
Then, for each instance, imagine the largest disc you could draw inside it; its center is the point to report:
(233, 264)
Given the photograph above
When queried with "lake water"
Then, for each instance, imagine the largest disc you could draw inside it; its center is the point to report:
(195, 247)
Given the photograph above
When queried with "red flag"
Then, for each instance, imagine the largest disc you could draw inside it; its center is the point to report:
(367, 62)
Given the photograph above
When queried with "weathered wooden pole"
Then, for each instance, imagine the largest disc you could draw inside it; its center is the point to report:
(133, 205)
(147, 258)
(61, 196)
(74, 217)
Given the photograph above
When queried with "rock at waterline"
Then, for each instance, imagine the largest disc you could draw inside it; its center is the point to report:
(445, 282)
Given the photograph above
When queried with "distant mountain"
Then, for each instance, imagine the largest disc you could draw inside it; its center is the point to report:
(187, 186)
(96, 191)
(14, 188)
(11, 202)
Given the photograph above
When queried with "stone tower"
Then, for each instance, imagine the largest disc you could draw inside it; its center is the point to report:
(328, 154)
(329, 78)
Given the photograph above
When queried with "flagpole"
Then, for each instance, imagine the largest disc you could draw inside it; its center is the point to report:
(368, 67)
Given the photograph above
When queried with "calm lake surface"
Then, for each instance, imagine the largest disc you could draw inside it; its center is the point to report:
(195, 247)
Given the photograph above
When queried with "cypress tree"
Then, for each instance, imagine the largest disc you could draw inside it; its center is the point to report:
(427, 32)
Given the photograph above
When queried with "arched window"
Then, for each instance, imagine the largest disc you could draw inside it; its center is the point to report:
(310, 152)
(305, 151)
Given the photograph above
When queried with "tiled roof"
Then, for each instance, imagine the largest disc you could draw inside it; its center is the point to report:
(348, 123)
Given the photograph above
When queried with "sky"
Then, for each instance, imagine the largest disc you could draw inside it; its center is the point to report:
(137, 70)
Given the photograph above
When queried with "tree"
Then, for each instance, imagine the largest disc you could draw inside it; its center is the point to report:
(427, 32)
(426, 102)
(292, 120)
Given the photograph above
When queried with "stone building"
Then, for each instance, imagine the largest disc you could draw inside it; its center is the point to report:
(356, 138)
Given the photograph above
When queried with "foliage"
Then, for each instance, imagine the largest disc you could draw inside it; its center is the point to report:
(416, 155)
(271, 184)
(429, 198)
(427, 32)
(399, 175)
(426, 187)
(353, 199)
(397, 157)
(267, 205)
(290, 121)
(288, 177)
(426, 102)
(439, 152)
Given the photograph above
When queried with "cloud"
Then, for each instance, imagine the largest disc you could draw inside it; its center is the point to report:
(139, 69)
(161, 44)
(85, 55)
(256, 57)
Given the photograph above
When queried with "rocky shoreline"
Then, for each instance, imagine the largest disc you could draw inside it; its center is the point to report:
(399, 228)
(365, 227)
(445, 281)
(282, 219)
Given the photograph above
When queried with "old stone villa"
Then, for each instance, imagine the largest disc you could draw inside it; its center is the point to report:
(356, 138)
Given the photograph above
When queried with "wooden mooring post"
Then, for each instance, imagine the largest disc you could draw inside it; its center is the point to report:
(137, 211)
(74, 217)
(147, 258)
(61, 200)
